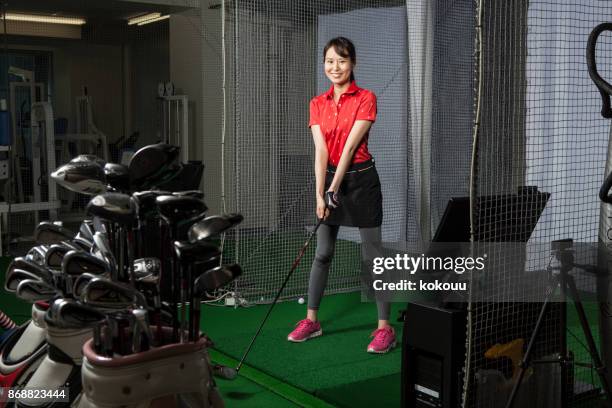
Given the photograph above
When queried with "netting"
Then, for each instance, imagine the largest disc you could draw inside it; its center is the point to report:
(273, 54)
(539, 126)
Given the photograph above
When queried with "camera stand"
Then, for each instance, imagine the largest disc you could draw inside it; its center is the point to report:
(565, 282)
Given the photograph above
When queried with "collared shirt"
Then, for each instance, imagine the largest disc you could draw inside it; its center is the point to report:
(337, 119)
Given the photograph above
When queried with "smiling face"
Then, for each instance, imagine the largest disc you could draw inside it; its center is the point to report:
(338, 69)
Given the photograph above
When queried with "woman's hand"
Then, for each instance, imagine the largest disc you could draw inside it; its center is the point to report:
(322, 211)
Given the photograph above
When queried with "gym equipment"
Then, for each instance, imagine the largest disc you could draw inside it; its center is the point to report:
(175, 118)
(43, 139)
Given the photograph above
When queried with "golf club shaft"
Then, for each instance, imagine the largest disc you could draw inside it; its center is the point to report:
(278, 294)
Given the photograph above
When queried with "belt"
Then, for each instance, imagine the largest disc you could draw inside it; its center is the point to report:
(355, 167)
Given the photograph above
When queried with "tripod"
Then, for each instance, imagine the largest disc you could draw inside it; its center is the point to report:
(560, 278)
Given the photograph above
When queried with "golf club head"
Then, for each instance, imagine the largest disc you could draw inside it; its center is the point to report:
(86, 230)
(106, 294)
(175, 209)
(115, 207)
(199, 267)
(82, 244)
(216, 278)
(101, 243)
(88, 158)
(37, 254)
(77, 262)
(225, 372)
(55, 254)
(153, 165)
(70, 314)
(81, 177)
(49, 233)
(117, 176)
(82, 280)
(188, 252)
(212, 226)
(29, 266)
(33, 291)
(147, 270)
(15, 277)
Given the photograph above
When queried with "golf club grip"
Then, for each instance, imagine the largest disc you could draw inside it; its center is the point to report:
(605, 190)
(280, 291)
(605, 89)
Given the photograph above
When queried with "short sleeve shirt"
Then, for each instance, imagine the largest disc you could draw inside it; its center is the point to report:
(337, 119)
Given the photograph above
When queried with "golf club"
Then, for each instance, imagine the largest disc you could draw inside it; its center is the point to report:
(278, 294)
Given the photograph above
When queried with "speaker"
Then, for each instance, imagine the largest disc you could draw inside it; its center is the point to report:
(433, 355)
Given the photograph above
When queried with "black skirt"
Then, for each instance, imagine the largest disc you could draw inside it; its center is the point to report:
(360, 197)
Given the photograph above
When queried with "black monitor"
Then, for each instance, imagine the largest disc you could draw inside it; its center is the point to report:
(503, 217)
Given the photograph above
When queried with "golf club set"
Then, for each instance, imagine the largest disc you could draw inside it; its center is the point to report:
(116, 306)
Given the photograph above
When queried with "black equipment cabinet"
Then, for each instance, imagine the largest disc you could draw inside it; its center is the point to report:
(433, 355)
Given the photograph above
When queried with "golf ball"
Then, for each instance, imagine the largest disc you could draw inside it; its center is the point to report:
(301, 301)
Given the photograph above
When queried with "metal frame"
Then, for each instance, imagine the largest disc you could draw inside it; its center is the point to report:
(177, 131)
(42, 126)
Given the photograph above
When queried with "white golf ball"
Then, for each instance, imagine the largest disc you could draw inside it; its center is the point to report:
(301, 301)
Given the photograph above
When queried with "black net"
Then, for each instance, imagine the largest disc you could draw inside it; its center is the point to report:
(540, 151)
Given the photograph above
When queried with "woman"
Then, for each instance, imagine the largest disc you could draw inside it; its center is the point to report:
(346, 182)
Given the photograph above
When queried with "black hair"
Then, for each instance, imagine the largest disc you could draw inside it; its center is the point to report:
(345, 48)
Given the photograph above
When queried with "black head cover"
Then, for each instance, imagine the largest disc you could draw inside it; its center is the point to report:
(117, 176)
(115, 207)
(81, 177)
(213, 226)
(174, 209)
(187, 252)
(146, 201)
(153, 165)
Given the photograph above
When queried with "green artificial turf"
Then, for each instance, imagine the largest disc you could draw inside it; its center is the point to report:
(243, 393)
(334, 367)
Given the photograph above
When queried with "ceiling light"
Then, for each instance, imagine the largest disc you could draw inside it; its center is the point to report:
(142, 18)
(44, 19)
(154, 20)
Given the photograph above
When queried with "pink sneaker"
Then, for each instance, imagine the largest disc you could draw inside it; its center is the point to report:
(304, 330)
(384, 340)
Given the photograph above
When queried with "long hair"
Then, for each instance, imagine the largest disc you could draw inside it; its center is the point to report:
(343, 47)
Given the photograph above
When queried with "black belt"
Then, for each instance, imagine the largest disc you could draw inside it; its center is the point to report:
(355, 167)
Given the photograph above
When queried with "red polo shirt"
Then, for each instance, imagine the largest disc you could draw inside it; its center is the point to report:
(337, 120)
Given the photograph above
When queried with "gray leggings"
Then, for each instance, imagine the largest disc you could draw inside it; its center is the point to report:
(326, 243)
